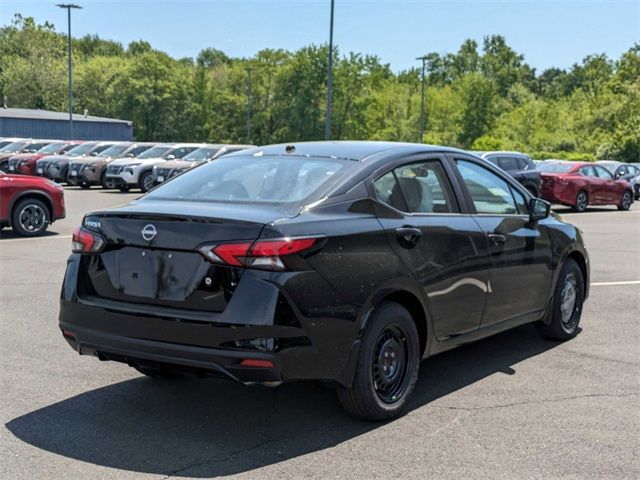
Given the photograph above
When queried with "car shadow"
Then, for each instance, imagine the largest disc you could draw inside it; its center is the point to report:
(209, 428)
(562, 210)
(8, 234)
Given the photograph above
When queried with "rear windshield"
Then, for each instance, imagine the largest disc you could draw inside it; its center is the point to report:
(81, 149)
(255, 179)
(555, 167)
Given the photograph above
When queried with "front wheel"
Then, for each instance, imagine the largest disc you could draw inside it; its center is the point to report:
(105, 182)
(30, 217)
(566, 309)
(582, 201)
(625, 201)
(146, 181)
(387, 367)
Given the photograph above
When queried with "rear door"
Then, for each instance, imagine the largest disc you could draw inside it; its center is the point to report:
(594, 184)
(521, 272)
(444, 250)
(608, 188)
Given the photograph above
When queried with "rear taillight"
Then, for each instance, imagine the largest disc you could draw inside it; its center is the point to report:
(263, 254)
(85, 241)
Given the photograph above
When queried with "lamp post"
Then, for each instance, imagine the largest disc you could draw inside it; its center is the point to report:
(424, 64)
(69, 6)
(249, 103)
(327, 123)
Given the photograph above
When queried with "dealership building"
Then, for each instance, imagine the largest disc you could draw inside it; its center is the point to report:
(25, 123)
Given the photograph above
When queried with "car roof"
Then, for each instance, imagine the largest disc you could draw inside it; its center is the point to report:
(344, 149)
(498, 152)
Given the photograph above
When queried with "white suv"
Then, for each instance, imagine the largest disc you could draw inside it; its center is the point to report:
(126, 173)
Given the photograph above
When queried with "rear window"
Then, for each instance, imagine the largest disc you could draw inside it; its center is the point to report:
(555, 167)
(255, 179)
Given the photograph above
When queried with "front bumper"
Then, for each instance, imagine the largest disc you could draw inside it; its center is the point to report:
(86, 176)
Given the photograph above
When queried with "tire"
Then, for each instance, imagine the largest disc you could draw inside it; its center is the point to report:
(376, 395)
(30, 217)
(84, 186)
(124, 188)
(156, 373)
(564, 317)
(106, 184)
(582, 201)
(146, 181)
(625, 201)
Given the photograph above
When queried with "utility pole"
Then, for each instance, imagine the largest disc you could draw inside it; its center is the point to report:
(424, 66)
(249, 103)
(69, 6)
(327, 123)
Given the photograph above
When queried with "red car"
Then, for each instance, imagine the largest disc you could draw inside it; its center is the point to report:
(579, 184)
(25, 163)
(29, 204)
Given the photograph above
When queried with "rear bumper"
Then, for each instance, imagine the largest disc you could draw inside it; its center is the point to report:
(250, 327)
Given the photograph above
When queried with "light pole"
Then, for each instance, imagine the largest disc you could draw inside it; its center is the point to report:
(69, 6)
(249, 103)
(424, 62)
(327, 122)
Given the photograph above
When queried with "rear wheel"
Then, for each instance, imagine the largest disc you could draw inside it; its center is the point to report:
(146, 181)
(625, 201)
(566, 309)
(387, 367)
(582, 201)
(30, 217)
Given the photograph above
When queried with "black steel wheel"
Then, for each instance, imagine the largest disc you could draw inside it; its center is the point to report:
(625, 201)
(30, 217)
(387, 367)
(582, 201)
(561, 322)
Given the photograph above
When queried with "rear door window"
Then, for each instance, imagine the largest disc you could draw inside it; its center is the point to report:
(421, 187)
(508, 164)
(588, 171)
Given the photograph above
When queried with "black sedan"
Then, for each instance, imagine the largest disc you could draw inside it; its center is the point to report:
(346, 262)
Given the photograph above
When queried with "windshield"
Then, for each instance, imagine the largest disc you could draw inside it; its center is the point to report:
(200, 155)
(34, 147)
(81, 149)
(13, 147)
(553, 167)
(114, 151)
(98, 150)
(154, 152)
(52, 148)
(255, 179)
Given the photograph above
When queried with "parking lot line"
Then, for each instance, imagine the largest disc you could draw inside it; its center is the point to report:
(52, 237)
(606, 284)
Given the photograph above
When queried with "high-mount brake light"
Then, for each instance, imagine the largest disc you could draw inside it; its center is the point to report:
(263, 254)
(85, 241)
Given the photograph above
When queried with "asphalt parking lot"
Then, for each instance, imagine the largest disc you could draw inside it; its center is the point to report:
(512, 406)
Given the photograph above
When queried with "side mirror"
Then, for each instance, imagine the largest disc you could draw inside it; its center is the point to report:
(618, 175)
(538, 209)
(170, 157)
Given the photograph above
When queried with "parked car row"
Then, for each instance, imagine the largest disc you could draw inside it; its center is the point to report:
(574, 184)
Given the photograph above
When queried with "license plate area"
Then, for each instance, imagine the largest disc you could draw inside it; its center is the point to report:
(156, 274)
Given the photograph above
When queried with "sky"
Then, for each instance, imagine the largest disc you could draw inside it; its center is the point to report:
(549, 33)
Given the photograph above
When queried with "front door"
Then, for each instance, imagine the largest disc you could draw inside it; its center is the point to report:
(521, 272)
(444, 251)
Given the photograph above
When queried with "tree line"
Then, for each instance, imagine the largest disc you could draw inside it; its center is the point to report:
(482, 97)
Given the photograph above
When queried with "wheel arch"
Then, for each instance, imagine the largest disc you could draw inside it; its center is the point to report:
(37, 194)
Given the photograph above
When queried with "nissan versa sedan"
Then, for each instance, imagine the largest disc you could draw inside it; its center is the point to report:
(346, 262)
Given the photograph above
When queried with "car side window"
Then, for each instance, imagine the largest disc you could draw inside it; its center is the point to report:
(388, 191)
(425, 187)
(489, 193)
(603, 173)
(508, 164)
(588, 171)
(521, 202)
(522, 163)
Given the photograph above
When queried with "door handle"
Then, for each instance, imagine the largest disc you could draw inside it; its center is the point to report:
(408, 236)
(497, 238)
